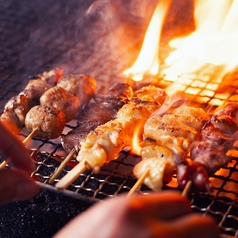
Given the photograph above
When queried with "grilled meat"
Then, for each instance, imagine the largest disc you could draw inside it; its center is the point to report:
(65, 101)
(51, 89)
(208, 153)
(97, 113)
(106, 141)
(80, 85)
(16, 108)
(167, 139)
(50, 121)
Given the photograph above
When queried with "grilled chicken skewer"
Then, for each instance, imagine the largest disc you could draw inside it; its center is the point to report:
(209, 152)
(105, 143)
(166, 141)
(108, 100)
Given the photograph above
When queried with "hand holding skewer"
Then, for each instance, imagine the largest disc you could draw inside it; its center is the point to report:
(17, 183)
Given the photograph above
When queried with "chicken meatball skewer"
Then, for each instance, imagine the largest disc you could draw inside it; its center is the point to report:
(105, 143)
(15, 110)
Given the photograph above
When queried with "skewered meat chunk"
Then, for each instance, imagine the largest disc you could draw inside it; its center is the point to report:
(160, 162)
(118, 93)
(103, 110)
(10, 120)
(34, 90)
(63, 100)
(16, 108)
(52, 77)
(106, 141)
(19, 105)
(208, 153)
(92, 116)
(80, 85)
(50, 121)
(166, 141)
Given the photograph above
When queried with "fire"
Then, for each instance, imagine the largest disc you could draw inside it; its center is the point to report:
(148, 59)
(209, 52)
(136, 148)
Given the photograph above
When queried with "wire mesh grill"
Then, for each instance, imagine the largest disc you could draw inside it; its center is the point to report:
(30, 45)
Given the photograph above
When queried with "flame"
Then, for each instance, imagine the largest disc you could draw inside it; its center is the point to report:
(137, 138)
(210, 47)
(209, 52)
(148, 59)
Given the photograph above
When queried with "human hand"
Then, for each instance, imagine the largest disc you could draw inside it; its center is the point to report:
(16, 184)
(166, 214)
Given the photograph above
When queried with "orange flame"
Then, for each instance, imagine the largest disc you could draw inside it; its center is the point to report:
(209, 52)
(137, 138)
(148, 59)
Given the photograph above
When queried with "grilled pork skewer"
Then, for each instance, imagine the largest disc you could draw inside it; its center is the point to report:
(209, 153)
(108, 101)
(105, 143)
(166, 142)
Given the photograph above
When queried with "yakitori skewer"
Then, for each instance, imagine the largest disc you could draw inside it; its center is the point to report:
(166, 142)
(106, 142)
(209, 152)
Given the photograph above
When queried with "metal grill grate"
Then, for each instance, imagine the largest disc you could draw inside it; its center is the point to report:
(38, 36)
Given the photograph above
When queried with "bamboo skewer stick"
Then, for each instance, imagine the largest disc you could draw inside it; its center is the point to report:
(25, 142)
(71, 176)
(187, 188)
(4, 163)
(62, 166)
(30, 136)
(139, 182)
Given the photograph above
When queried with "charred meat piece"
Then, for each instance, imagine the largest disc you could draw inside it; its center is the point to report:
(209, 152)
(103, 110)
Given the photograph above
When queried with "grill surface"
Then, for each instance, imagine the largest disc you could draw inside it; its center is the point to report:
(38, 36)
